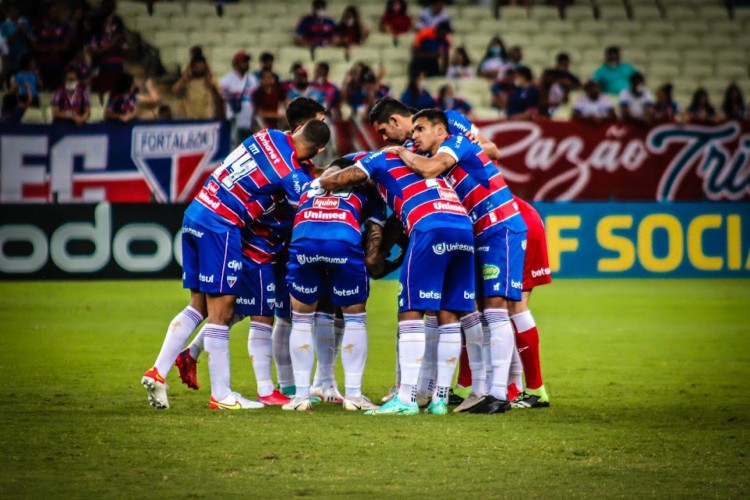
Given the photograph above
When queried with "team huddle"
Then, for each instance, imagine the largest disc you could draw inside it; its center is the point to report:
(271, 237)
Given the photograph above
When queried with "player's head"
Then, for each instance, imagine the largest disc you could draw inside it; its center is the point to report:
(429, 130)
(301, 110)
(311, 139)
(392, 120)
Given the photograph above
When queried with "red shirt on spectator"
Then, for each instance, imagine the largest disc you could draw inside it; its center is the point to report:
(395, 24)
(74, 104)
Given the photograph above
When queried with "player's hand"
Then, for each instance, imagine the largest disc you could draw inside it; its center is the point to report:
(316, 189)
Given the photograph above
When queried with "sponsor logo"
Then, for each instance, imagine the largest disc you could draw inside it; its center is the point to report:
(312, 259)
(206, 279)
(490, 272)
(523, 245)
(469, 295)
(516, 284)
(496, 287)
(173, 158)
(441, 248)
(345, 293)
(271, 287)
(212, 187)
(485, 248)
(304, 289)
(326, 203)
(235, 265)
(208, 200)
(231, 280)
(400, 302)
(318, 215)
(536, 273)
(244, 301)
(448, 194)
(445, 206)
(190, 230)
(268, 147)
(430, 294)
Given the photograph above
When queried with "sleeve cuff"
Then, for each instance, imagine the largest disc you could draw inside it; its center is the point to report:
(362, 168)
(449, 152)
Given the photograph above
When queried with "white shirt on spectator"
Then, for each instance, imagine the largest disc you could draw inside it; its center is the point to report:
(588, 108)
(427, 19)
(239, 89)
(636, 104)
(456, 71)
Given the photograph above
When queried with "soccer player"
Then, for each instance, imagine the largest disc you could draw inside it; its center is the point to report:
(264, 164)
(326, 258)
(437, 274)
(500, 235)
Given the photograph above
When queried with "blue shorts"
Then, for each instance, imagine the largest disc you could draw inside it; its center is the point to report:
(330, 268)
(282, 305)
(256, 294)
(211, 260)
(438, 271)
(500, 257)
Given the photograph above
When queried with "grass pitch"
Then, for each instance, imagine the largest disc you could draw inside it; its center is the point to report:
(647, 381)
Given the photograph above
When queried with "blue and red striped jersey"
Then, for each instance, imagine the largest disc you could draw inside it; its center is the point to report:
(481, 187)
(336, 216)
(268, 235)
(264, 164)
(419, 203)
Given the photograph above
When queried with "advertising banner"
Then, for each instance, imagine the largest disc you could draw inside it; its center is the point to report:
(134, 162)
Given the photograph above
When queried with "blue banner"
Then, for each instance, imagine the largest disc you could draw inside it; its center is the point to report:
(128, 162)
(622, 240)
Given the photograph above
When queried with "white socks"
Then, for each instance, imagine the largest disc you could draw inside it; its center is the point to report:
(301, 350)
(177, 335)
(354, 353)
(448, 353)
(217, 347)
(472, 326)
(486, 357)
(411, 344)
(516, 370)
(196, 346)
(502, 344)
(280, 345)
(428, 371)
(324, 338)
(259, 349)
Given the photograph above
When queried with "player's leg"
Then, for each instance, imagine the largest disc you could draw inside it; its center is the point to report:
(305, 281)
(428, 371)
(534, 395)
(324, 337)
(501, 258)
(282, 329)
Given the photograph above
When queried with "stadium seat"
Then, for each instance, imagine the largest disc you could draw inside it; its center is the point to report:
(732, 57)
(544, 13)
(168, 9)
(649, 40)
(394, 55)
(613, 13)
(244, 40)
(187, 23)
(646, 12)
(330, 54)
(97, 114)
(555, 41)
(697, 72)
(731, 72)
(591, 26)
(170, 38)
(665, 56)
(475, 12)
(200, 10)
(35, 115)
(719, 41)
(520, 39)
(677, 12)
(658, 26)
(692, 27)
(579, 12)
(727, 26)
(514, 13)
(558, 26)
(291, 53)
(713, 13)
(221, 24)
(126, 8)
(272, 41)
(239, 10)
(370, 55)
(279, 9)
(621, 40)
(150, 24)
(381, 40)
(486, 113)
(682, 40)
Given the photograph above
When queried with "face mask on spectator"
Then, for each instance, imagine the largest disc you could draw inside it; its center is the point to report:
(495, 51)
(449, 102)
(71, 86)
(320, 12)
(640, 88)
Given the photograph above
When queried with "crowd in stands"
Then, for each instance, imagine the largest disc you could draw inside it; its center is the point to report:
(76, 52)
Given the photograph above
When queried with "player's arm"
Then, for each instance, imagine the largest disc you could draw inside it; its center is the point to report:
(373, 243)
(426, 167)
(334, 180)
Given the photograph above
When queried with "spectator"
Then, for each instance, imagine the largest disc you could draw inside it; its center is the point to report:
(268, 101)
(447, 101)
(80, 64)
(71, 103)
(562, 67)
(266, 63)
(372, 90)
(325, 92)
(593, 107)
(107, 49)
(701, 110)
(28, 82)
(502, 89)
(494, 59)
(126, 97)
(201, 99)
(734, 104)
(665, 108)
(523, 101)
(164, 113)
(50, 44)
(299, 86)
(433, 15)
(395, 19)
(316, 29)
(15, 30)
(362, 88)
(551, 93)
(460, 65)
(12, 108)
(78, 31)
(416, 95)
(637, 102)
(430, 50)
(351, 29)
(614, 75)
(237, 89)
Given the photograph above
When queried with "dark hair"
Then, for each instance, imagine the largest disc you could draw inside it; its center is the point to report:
(390, 3)
(525, 72)
(342, 162)
(266, 57)
(636, 76)
(442, 90)
(123, 84)
(198, 59)
(316, 134)
(700, 91)
(561, 57)
(412, 87)
(195, 51)
(384, 108)
(301, 110)
(434, 116)
(316, 3)
(462, 50)
(295, 66)
(495, 39)
(444, 27)
(727, 106)
(324, 65)
(667, 89)
(612, 48)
